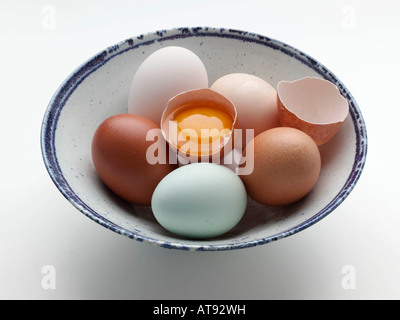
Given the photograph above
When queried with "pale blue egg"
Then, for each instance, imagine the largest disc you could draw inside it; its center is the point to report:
(199, 200)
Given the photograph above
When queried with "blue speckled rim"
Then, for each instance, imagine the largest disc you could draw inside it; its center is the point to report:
(58, 101)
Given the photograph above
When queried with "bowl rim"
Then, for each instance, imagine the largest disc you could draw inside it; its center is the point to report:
(62, 94)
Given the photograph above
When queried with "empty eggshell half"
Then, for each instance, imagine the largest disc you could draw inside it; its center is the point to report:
(312, 105)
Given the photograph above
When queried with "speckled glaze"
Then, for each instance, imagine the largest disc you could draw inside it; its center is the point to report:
(99, 88)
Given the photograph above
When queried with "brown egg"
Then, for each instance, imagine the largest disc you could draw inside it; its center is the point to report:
(287, 164)
(119, 153)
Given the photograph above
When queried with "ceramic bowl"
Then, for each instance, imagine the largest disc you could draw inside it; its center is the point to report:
(99, 88)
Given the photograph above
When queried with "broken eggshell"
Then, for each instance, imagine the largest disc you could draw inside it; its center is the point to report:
(188, 99)
(312, 105)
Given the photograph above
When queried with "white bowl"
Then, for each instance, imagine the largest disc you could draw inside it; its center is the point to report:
(99, 88)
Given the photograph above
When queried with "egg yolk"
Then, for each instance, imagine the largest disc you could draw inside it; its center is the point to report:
(202, 128)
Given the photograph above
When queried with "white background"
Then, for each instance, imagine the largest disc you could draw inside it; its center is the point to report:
(42, 42)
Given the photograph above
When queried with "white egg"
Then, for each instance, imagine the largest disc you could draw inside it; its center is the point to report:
(162, 75)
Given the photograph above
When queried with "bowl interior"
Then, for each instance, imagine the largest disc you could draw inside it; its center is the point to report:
(99, 88)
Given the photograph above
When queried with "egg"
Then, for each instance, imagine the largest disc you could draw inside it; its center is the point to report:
(254, 98)
(161, 76)
(198, 124)
(119, 153)
(199, 200)
(312, 105)
(287, 165)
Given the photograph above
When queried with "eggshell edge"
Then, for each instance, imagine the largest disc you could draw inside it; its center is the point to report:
(320, 133)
